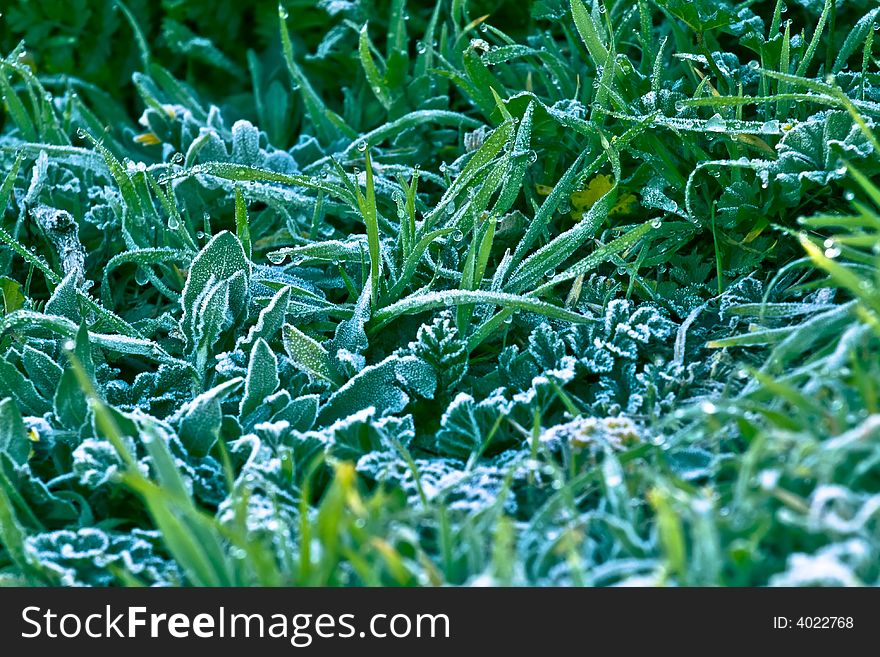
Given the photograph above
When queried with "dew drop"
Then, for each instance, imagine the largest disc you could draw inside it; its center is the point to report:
(716, 124)
(200, 234)
(771, 127)
(832, 252)
(173, 223)
(533, 157)
(82, 134)
(457, 235)
(421, 47)
(848, 195)
(656, 223)
(708, 408)
(69, 345)
(141, 277)
(276, 257)
(484, 27)
(754, 64)
(679, 106)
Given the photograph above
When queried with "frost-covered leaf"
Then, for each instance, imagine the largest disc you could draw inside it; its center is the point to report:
(469, 426)
(221, 263)
(307, 354)
(13, 435)
(200, 420)
(262, 378)
(376, 386)
(270, 319)
(813, 151)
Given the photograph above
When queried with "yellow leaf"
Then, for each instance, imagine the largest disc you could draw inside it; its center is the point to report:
(148, 139)
(598, 187)
(583, 200)
(757, 230)
(756, 142)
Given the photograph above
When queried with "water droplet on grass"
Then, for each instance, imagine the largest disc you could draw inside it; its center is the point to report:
(457, 235)
(716, 124)
(362, 147)
(708, 408)
(832, 252)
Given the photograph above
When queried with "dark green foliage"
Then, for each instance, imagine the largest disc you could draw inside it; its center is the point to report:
(333, 293)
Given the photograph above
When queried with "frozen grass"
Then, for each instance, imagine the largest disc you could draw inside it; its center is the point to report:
(577, 294)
